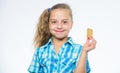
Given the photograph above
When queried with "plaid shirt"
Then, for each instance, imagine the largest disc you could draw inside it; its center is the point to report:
(45, 59)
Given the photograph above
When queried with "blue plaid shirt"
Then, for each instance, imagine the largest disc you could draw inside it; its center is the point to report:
(45, 59)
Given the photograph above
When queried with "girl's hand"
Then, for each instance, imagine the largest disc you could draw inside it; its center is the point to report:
(89, 45)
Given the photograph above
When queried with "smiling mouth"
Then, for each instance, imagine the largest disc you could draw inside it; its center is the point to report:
(59, 30)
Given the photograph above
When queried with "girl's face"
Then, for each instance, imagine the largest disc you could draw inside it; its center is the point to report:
(60, 23)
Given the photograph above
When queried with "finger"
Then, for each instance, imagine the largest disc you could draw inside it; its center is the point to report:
(92, 46)
(87, 41)
(93, 40)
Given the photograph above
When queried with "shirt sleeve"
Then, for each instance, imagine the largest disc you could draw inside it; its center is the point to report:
(88, 69)
(34, 66)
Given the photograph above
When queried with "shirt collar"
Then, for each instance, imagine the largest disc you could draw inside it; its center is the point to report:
(49, 42)
(70, 41)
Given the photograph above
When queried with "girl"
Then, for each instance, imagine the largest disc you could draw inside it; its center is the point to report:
(56, 52)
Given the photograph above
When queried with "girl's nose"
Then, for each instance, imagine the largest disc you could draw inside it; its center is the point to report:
(59, 26)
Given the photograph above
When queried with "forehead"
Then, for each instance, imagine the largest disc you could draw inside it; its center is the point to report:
(60, 13)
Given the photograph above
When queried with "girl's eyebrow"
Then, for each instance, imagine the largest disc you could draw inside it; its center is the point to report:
(52, 19)
(56, 19)
(66, 20)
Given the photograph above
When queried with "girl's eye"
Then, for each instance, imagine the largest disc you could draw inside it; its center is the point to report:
(65, 22)
(53, 22)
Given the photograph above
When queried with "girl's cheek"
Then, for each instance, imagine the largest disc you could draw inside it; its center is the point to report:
(52, 27)
(67, 27)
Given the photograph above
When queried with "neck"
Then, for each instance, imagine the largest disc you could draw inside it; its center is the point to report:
(59, 42)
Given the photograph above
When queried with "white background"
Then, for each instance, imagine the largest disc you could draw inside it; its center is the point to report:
(18, 19)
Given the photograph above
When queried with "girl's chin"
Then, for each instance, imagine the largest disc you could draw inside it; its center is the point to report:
(60, 37)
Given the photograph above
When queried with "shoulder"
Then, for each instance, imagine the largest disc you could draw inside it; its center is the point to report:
(78, 47)
(39, 51)
(43, 49)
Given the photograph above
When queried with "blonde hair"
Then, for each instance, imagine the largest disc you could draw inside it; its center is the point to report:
(42, 32)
